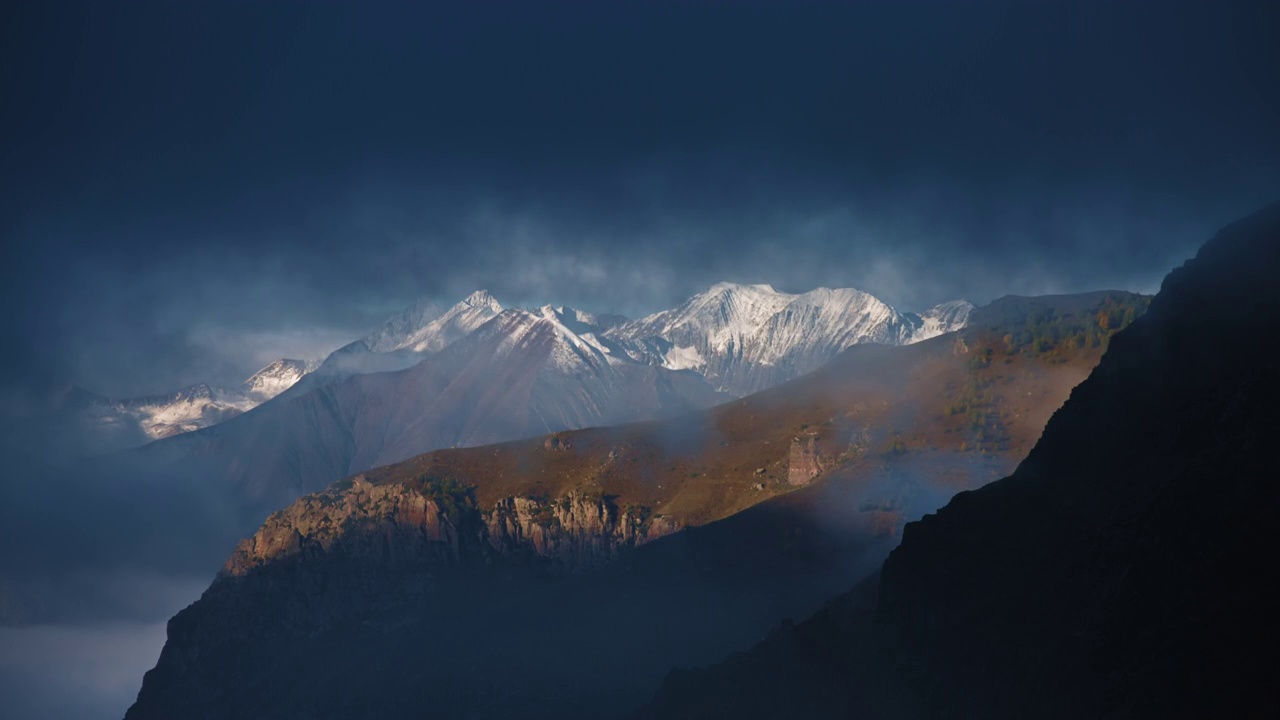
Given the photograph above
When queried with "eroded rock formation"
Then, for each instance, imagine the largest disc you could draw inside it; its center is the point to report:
(408, 523)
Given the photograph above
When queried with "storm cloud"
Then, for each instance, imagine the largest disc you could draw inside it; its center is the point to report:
(191, 189)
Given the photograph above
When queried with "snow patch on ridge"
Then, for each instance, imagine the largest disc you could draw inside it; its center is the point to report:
(423, 328)
(744, 338)
(191, 408)
(683, 358)
(943, 318)
(741, 338)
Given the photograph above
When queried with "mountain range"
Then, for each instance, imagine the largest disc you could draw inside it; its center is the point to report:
(1120, 567)
(112, 423)
(603, 557)
(745, 338)
(477, 373)
(1125, 570)
(739, 338)
(522, 373)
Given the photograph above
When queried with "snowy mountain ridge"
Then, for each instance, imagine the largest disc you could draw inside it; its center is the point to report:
(739, 338)
(277, 377)
(152, 417)
(424, 328)
(745, 338)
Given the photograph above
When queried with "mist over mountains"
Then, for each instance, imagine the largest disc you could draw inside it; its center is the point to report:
(739, 339)
(106, 424)
(1121, 571)
(374, 359)
(612, 555)
(700, 529)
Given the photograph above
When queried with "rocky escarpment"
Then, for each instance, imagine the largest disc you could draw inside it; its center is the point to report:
(396, 596)
(386, 570)
(437, 521)
(1125, 570)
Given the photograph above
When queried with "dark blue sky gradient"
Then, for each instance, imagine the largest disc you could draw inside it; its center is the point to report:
(188, 188)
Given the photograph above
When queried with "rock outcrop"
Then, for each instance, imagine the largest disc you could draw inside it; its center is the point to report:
(578, 531)
(544, 575)
(1125, 570)
(435, 522)
(804, 463)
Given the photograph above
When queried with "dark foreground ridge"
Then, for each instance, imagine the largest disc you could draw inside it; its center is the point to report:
(1126, 569)
(564, 576)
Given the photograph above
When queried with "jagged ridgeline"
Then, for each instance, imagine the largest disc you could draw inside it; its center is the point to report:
(436, 521)
(564, 575)
(1126, 570)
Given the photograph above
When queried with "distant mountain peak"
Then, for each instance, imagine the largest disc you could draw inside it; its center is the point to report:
(740, 337)
(571, 343)
(481, 298)
(424, 327)
(722, 287)
(275, 378)
(745, 338)
(944, 318)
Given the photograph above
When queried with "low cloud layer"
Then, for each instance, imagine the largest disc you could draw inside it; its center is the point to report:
(129, 324)
(76, 672)
(177, 213)
(188, 190)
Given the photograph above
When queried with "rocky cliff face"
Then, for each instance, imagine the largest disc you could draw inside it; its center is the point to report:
(578, 531)
(437, 522)
(1126, 569)
(553, 583)
(804, 463)
(391, 569)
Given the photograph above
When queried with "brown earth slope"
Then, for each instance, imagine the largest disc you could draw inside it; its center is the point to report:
(513, 377)
(1126, 570)
(960, 406)
(449, 584)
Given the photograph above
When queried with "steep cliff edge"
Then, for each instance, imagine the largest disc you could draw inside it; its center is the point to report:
(1127, 569)
(437, 521)
(388, 570)
(544, 574)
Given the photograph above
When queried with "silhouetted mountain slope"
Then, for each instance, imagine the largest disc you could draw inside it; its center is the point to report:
(516, 376)
(1127, 569)
(564, 575)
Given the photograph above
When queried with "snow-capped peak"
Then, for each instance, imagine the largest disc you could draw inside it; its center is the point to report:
(943, 318)
(394, 332)
(480, 298)
(721, 287)
(424, 328)
(745, 338)
(742, 338)
(133, 420)
(527, 333)
(277, 377)
(721, 316)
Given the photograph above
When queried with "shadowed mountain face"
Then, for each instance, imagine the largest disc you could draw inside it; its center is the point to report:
(514, 377)
(1127, 569)
(568, 573)
(477, 373)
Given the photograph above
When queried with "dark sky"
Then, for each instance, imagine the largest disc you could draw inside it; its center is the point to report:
(191, 188)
